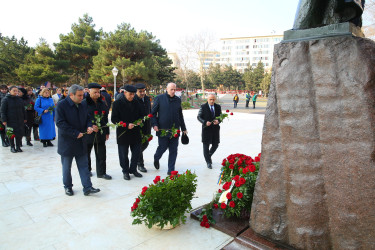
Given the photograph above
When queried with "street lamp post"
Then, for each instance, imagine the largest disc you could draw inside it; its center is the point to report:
(114, 72)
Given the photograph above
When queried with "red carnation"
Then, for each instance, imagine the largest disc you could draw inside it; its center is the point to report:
(227, 111)
(238, 184)
(219, 191)
(135, 205)
(231, 113)
(223, 205)
(226, 186)
(103, 112)
(259, 155)
(242, 180)
(257, 159)
(252, 168)
(236, 178)
(137, 200)
(216, 206)
(150, 138)
(121, 122)
(207, 225)
(162, 180)
(205, 218)
(239, 195)
(150, 115)
(224, 162)
(178, 131)
(175, 135)
(229, 196)
(96, 112)
(174, 172)
(231, 166)
(244, 170)
(13, 136)
(124, 125)
(144, 189)
(232, 204)
(203, 223)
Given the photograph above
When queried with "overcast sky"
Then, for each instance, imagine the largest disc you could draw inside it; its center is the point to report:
(168, 20)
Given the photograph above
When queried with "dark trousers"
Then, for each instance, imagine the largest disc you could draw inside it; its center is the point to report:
(18, 140)
(141, 162)
(166, 143)
(100, 156)
(208, 152)
(123, 150)
(247, 103)
(4, 137)
(28, 132)
(234, 104)
(254, 104)
(35, 132)
(83, 170)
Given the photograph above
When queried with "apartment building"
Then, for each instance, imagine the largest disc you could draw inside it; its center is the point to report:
(242, 51)
(209, 57)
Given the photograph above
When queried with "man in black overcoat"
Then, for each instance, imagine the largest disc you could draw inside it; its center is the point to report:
(73, 123)
(127, 110)
(210, 128)
(97, 106)
(4, 138)
(145, 102)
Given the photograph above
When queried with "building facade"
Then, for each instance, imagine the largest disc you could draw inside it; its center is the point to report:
(209, 57)
(243, 51)
(175, 59)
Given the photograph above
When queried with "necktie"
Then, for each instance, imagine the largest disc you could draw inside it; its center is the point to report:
(212, 111)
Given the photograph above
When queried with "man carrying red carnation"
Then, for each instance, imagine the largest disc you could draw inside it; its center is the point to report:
(210, 128)
(96, 106)
(145, 103)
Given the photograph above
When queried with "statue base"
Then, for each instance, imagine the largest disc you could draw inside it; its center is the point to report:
(333, 30)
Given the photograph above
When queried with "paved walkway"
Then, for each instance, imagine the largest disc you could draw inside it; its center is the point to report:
(36, 214)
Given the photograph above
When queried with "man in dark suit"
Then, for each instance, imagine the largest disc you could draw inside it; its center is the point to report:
(167, 113)
(127, 110)
(73, 122)
(97, 139)
(144, 100)
(210, 128)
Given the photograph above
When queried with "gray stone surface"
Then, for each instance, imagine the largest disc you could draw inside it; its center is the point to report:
(316, 186)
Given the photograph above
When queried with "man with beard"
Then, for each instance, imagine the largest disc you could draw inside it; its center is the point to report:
(97, 107)
(144, 100)
(126, 110)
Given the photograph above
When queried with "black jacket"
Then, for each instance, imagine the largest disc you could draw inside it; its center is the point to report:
(210, 134)
(107, 98)
(70, 121)
(167, 112)
(13, 113)
(99, 106)
(146, 108)
(127, 112)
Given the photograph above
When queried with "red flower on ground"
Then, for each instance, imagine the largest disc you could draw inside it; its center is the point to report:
(223, 205)
(219, 191)
(226, 186)
(257, 159)
(236, 178)
(157, 179)
(103, 112)
(144, 189)
(227, 111)
(137, 200)
(174, 172)
(216, 205)
(162, 180)
(231, 166)
(203, 223)
(252, 168)
(205, 218)
(231, 113)
(207, 225)
(229, 196)
(237, 184)
(150, 115)
(135, 205)
(232, 204)
(96, 112)
(244, 171)
(239, 195)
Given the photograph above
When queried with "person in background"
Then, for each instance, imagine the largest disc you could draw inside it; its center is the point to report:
(127, 110)
(35, 127)
(4, 138)
(13, 115)
(56, 97)
(86, 92)
(40, 90)
(96, 106)
(236, 99)
(107, 97)
(30, 113)
(73, 122)
(145, 102)
(45, 107)
(167, 114)
(64, 94)
(210, 128)
(254, 100)
(247, 96)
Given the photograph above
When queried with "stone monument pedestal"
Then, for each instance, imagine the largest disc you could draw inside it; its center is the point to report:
(316, 186)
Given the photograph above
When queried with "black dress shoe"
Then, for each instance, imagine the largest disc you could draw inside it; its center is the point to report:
(142, 169)
(92, 191)
(126, 176)
(105, 176)
(49, 144)
(69, 191)
(45, 144)
(136, 174)
(18, 149)
(156, 164)
(29, 143)
(13, 150)
(209, 165)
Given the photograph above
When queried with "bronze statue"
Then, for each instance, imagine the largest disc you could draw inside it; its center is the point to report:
(317, 13)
